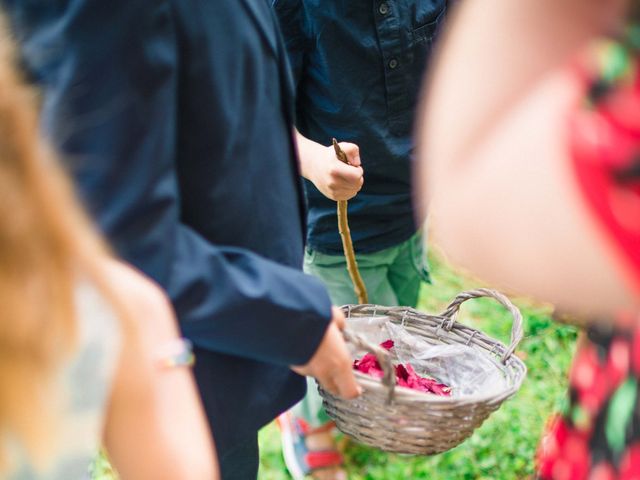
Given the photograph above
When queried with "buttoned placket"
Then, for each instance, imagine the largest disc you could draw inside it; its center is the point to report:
(390, 41)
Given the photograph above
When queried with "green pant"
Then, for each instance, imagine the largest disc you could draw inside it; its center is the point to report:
(392, 276)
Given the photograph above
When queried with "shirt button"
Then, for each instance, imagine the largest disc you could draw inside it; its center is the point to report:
(383, 8)
(393, 63)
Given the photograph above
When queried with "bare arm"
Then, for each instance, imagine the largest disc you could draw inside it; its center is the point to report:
(156, 425)
(504, 201)
(333, 178)
(513, 213)
(493, 53)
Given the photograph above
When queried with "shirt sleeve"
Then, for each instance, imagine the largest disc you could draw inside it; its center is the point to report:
(294, 27)
(110, 106)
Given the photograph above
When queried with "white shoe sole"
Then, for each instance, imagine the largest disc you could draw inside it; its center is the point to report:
(289, 453)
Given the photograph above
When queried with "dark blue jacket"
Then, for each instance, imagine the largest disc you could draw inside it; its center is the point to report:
(176, 118)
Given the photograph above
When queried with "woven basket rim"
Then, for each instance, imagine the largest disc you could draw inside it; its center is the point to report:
(398, 419)
(408, 394)
(514, 369)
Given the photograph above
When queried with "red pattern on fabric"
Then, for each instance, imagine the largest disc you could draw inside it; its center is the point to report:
(630, 463)
(593, 380)
(566, 450)
(603, 140)
(603, 471)
(564, 453)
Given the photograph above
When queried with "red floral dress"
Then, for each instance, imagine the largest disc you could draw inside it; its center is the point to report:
(597, 435)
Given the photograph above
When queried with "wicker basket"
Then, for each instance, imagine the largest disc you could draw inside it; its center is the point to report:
(397, 419)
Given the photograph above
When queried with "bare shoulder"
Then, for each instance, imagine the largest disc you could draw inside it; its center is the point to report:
(518, 199)
(142, 300)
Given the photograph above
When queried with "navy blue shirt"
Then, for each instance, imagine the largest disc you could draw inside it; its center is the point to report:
(358, 67)
(176, 119)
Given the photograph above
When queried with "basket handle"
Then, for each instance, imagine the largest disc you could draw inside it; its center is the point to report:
(389, 377)
(516, 329)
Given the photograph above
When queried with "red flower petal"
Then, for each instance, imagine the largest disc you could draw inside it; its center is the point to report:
(406, 376)
(387, 344)
(401, 372)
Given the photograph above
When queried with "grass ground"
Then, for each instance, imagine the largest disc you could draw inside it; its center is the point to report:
(503, 448)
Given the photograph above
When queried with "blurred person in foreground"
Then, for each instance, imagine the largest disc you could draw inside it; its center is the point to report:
(539, 192)
(177, 119)
(357, 70)
(89, 348)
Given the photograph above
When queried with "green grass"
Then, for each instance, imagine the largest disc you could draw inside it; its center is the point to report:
(504, 447)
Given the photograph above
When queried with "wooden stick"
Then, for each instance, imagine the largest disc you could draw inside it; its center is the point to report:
(347, 243)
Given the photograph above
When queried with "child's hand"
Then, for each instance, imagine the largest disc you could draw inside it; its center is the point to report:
(336, 180)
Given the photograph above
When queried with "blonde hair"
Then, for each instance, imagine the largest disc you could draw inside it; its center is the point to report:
(45, 241)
